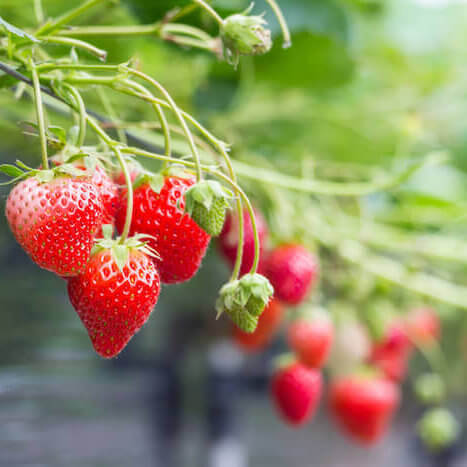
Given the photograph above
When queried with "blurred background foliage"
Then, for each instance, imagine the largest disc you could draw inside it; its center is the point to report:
(366, 85)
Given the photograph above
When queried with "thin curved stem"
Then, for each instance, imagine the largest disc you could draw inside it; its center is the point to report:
(108, 107)
(71, 42)
(39, 114)
(213, 13)
(67, 17)
(38, 11)
(282, 22)
(81, 112)
(177, 113)
(129, 194)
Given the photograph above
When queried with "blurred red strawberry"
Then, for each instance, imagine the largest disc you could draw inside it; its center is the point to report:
(296, 391)
(363, 405)
(311, 340)
(423, 325)
(392, 353)
(293, 271)
(268, 324)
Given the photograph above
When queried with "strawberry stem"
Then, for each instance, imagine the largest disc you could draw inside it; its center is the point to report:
(81, 112)
(210, 10)
(177, 113)
(282, 22)
(129, 196)
(39, 115)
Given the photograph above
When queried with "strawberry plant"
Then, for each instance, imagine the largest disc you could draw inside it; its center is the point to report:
(341, 248)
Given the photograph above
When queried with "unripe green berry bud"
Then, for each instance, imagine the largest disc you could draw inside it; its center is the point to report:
(245, 35)
(430, 389)
(206, 203)
(438, 429)
(244, 300)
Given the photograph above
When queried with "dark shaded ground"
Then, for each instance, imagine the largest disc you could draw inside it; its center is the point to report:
(69, 414)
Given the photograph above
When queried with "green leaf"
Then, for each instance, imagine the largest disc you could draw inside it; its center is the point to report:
(58, 132)
(314, 61)
(107, 231)
(11, 170)
(121, 254)
(16, 31)
(44, 176)
(90, 163)
(156, 182)
(6, 80)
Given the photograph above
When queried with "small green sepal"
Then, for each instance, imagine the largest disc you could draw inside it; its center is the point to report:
(206, 203)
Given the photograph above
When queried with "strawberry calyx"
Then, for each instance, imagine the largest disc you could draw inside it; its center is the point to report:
(366, 372)
(121, 250)
(206, 203)
(21, 171)
(245, 34)
(244, 300)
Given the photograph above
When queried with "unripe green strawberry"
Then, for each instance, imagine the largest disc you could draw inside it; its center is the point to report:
(245, 35)
(206, 203)
(438, 429)
(244, 300)
(430, 389)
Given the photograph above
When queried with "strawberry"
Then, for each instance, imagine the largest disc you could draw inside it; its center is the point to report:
(296, 391)
(423, 325)
(244, 300)
(311, 340)
(228, 239)
(268, 324)
(392, 353)
(106, 187)
(158, 211)
(115, 294)
(293, 271)
(363, 405)
(55, 221)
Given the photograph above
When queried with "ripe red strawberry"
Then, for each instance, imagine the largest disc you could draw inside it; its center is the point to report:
(228, 239)
(296, 391)
(56, 221)
(106, 187)
(423, 325)
(293, 271)
(179, 241)
(363, 405)
(268, 324)
(311, 340)
(114, 303)
(392, 353)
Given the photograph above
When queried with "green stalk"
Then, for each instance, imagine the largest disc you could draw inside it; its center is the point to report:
(108, 107)
(68, 41)
(67, 17)
(39, 114)
(129, 195)
(177, 113)
(81, 112)
(39, 11)
(126, 31)
(282, 22)
(210, 10)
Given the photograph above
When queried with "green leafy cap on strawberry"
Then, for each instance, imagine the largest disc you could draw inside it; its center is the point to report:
(244, 300)
(20, 171)
(121, 250)
(206, 203)
(438, 429)
(245, 35)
